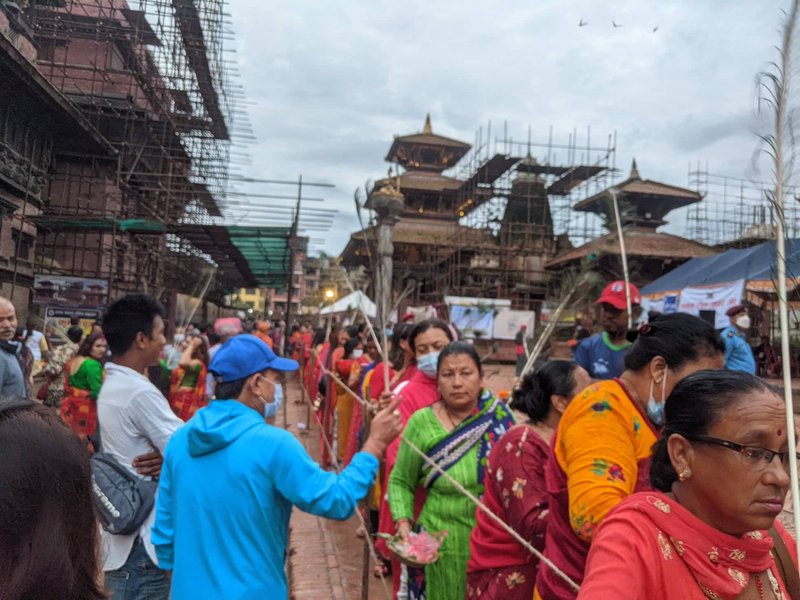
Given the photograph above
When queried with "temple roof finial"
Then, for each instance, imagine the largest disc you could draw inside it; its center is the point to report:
(634, 171)
(427, 130)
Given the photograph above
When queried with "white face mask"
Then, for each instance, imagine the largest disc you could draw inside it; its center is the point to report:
(655, 410)
(358, 353)
(743, 322)
(428, 364)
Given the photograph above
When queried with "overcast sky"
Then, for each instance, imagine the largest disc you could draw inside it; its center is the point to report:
(332, 82)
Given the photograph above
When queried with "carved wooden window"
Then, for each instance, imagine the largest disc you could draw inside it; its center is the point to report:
(23, 244)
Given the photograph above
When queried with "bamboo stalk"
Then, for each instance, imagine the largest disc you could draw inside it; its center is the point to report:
(624, 256)
(780, 91)
(774, 91)
(584, 279)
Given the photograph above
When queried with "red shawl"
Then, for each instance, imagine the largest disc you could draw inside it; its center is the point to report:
(650, 547)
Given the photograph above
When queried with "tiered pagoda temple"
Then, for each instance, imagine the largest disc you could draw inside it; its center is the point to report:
(643, 206)
(428, 226)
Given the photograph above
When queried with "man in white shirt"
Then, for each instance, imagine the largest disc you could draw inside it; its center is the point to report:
(135, 419)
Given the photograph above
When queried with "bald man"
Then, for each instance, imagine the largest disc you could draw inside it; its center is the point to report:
(12, 381)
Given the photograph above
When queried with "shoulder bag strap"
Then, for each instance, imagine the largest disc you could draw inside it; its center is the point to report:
(785, 565)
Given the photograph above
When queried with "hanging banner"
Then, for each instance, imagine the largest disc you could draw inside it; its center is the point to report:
(716, 299)
(57, 320)
(664, 305)
(70, 291)
(473, 321)
(507, 322)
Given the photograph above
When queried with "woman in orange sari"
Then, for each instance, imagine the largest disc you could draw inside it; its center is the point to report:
(348, 368)
(82, 381)
(602, 447)
(187, 384)
(295, 343)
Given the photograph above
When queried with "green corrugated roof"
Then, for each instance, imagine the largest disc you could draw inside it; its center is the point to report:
(247, 256)
(266, 250)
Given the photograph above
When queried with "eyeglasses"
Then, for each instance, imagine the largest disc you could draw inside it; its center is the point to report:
(753, 455)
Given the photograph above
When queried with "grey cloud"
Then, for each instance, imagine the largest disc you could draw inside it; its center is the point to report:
(334, 82)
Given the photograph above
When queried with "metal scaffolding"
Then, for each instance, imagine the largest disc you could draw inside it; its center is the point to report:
(516, 211)
(735, 212)
(152, 77)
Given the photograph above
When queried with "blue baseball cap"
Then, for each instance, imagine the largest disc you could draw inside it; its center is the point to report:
(245, 355)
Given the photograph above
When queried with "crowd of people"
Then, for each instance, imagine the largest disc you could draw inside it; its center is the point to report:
(643, 468)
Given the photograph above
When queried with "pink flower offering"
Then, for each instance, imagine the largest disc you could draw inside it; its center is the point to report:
(418, 549)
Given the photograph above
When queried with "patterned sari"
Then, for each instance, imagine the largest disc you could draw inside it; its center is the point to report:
(462, 453)
(79, 411)
(499, 567)
(79, 406)
(186, 401)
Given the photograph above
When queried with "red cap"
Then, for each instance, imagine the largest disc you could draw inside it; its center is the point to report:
(735, 310)
(614, 294)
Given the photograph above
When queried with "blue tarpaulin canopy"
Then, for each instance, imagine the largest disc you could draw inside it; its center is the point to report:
(755, 265)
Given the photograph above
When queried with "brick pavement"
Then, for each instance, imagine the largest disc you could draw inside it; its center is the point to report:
(325, 557)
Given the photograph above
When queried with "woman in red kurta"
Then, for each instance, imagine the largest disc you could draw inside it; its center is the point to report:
(499, 567)
(720, 472)
(426, 340)
(336, 341)
(401, 358)
(602, 448)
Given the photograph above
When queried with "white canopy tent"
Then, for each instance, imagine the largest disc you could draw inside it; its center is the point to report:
(352, 302)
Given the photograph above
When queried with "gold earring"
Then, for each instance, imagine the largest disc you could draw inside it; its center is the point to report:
(684, 475)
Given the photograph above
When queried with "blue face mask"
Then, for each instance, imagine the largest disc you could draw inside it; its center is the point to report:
(271, 408)
(655, 410)
(428, 364)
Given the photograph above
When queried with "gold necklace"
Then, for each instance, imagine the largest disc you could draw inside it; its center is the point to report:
(450, 418)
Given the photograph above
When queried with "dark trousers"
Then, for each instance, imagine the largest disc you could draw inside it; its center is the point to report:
(521, 360)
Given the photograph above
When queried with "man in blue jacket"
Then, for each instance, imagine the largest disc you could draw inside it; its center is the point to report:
(738, 354)
(229, 482)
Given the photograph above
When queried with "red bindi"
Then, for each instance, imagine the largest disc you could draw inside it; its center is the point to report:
(780, 431)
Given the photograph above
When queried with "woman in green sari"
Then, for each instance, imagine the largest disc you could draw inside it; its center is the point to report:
(457, 433)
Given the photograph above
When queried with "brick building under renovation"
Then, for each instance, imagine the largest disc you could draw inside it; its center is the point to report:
(114, 151)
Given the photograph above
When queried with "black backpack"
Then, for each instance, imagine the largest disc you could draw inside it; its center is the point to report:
(122, 500)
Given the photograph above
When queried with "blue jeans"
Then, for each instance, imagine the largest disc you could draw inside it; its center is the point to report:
(138, 579)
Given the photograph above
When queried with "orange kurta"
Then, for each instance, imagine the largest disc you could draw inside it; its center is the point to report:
(601, 456)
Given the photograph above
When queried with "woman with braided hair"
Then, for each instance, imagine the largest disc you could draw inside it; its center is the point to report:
(499, 567)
